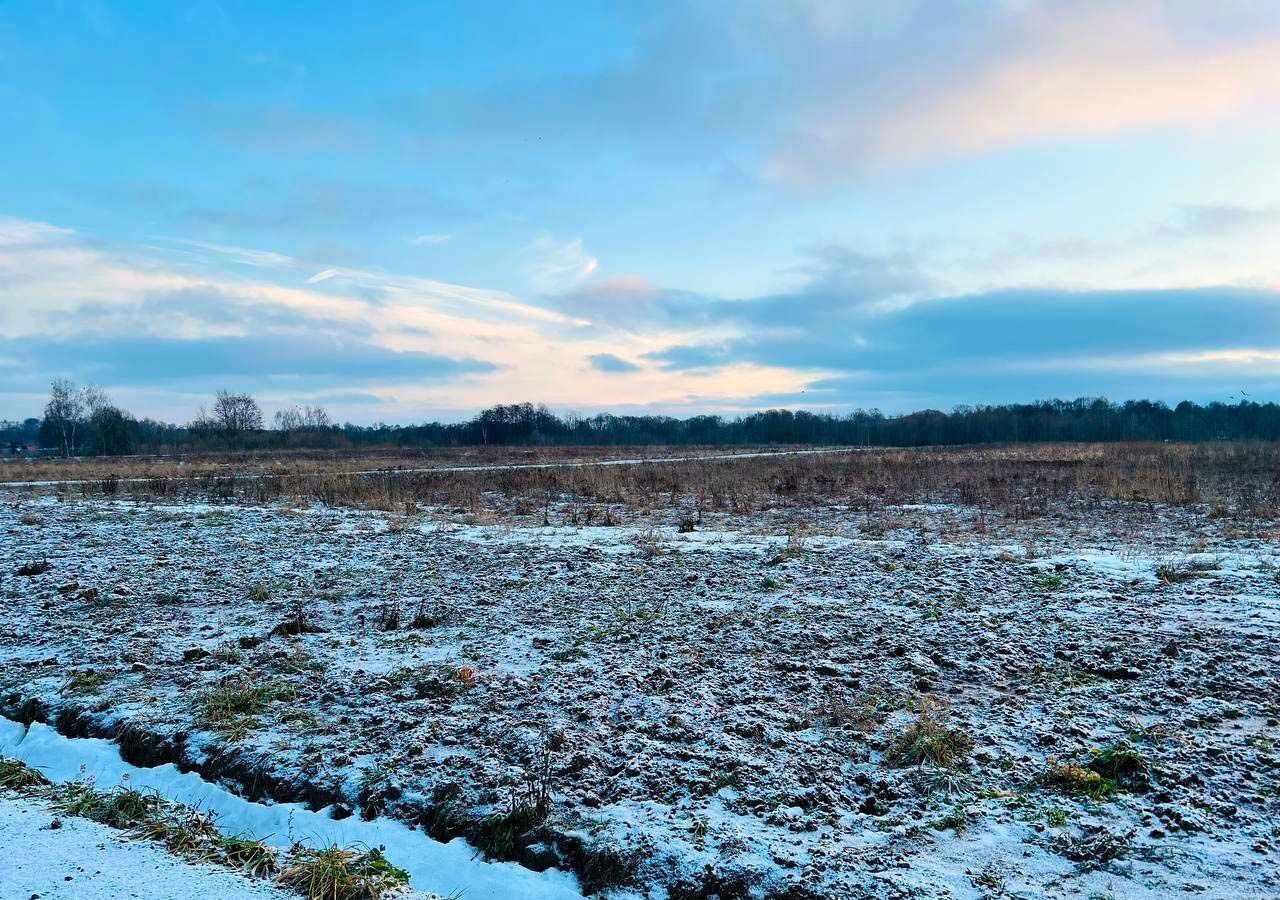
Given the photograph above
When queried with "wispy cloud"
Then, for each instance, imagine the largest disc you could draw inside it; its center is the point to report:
(246, 256)
(20, 232)
(430, 239)
(555, 267)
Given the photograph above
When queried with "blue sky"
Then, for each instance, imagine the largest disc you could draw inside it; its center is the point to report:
(408, 211)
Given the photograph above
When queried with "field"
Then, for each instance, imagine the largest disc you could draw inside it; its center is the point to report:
(1015, 671)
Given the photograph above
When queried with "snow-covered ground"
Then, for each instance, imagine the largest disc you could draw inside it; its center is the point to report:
(450, 869)
(711, 710)
(82, 860)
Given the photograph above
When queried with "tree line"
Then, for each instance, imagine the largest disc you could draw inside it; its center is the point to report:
(84, 420)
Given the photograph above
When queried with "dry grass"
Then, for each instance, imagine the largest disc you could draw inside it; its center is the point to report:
(929, 740)
(1237, 480)
(338, 873)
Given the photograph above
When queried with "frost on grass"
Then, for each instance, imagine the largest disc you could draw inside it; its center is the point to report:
(805, 701)
(328, 873)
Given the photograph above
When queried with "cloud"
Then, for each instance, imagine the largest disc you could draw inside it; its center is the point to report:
(256, 363)
(1031, 72)
(555, 267)
(265, 259)
(631, 302)
(22, 233)
(1004, 345)
(1215, 220)
(163, 325)
(168, 324)
(609, 363)
(807, 93)
(430, 239)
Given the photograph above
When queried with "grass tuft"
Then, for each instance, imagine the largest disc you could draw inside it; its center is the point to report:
(252, 857)
(339, 873)
(1123, 764)
(16, 775)
(928, 740)
(1078, 781)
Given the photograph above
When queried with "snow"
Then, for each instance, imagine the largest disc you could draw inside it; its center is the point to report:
(82, 860)
(664, 660)
(432, 866)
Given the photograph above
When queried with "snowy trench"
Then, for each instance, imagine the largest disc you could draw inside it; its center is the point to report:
(451, 868)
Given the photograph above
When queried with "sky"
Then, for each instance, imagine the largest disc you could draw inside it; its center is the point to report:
(410, 211)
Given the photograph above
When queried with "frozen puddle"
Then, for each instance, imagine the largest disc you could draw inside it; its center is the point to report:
(448, 869)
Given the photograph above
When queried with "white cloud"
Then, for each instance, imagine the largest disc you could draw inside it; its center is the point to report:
(430, 238)
(264, 259)
(21, 232)
(554, 267)
(69, 288)
(1038, 71)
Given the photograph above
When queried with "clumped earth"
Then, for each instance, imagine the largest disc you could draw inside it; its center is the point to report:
(805, 702)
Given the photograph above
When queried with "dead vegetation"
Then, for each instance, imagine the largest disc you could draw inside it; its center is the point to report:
(317, 873)
(928, 740)
(1240, 481)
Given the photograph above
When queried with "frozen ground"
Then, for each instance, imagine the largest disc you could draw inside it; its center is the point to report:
(76, 859)
(713, 713)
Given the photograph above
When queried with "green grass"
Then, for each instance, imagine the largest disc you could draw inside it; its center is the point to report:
(1078, 781)
(1123, 764)
(928, 741)
(230, 701)
(18, 776)
(721, 779)
(128, 808)
(500, 833)
(80, 798)
(331, 873)
(252, 857)
(86, 682)
(952, 821)
(1049, 581)
(232, 708)
(340, 873)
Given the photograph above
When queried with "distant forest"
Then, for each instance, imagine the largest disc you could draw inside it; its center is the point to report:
(83, 421)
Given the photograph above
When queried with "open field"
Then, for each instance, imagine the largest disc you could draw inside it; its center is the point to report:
(955, 672)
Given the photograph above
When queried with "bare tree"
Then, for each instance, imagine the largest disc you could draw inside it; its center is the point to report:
(302, 418)
(236, 415)
(63, 413)
(98, 410)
